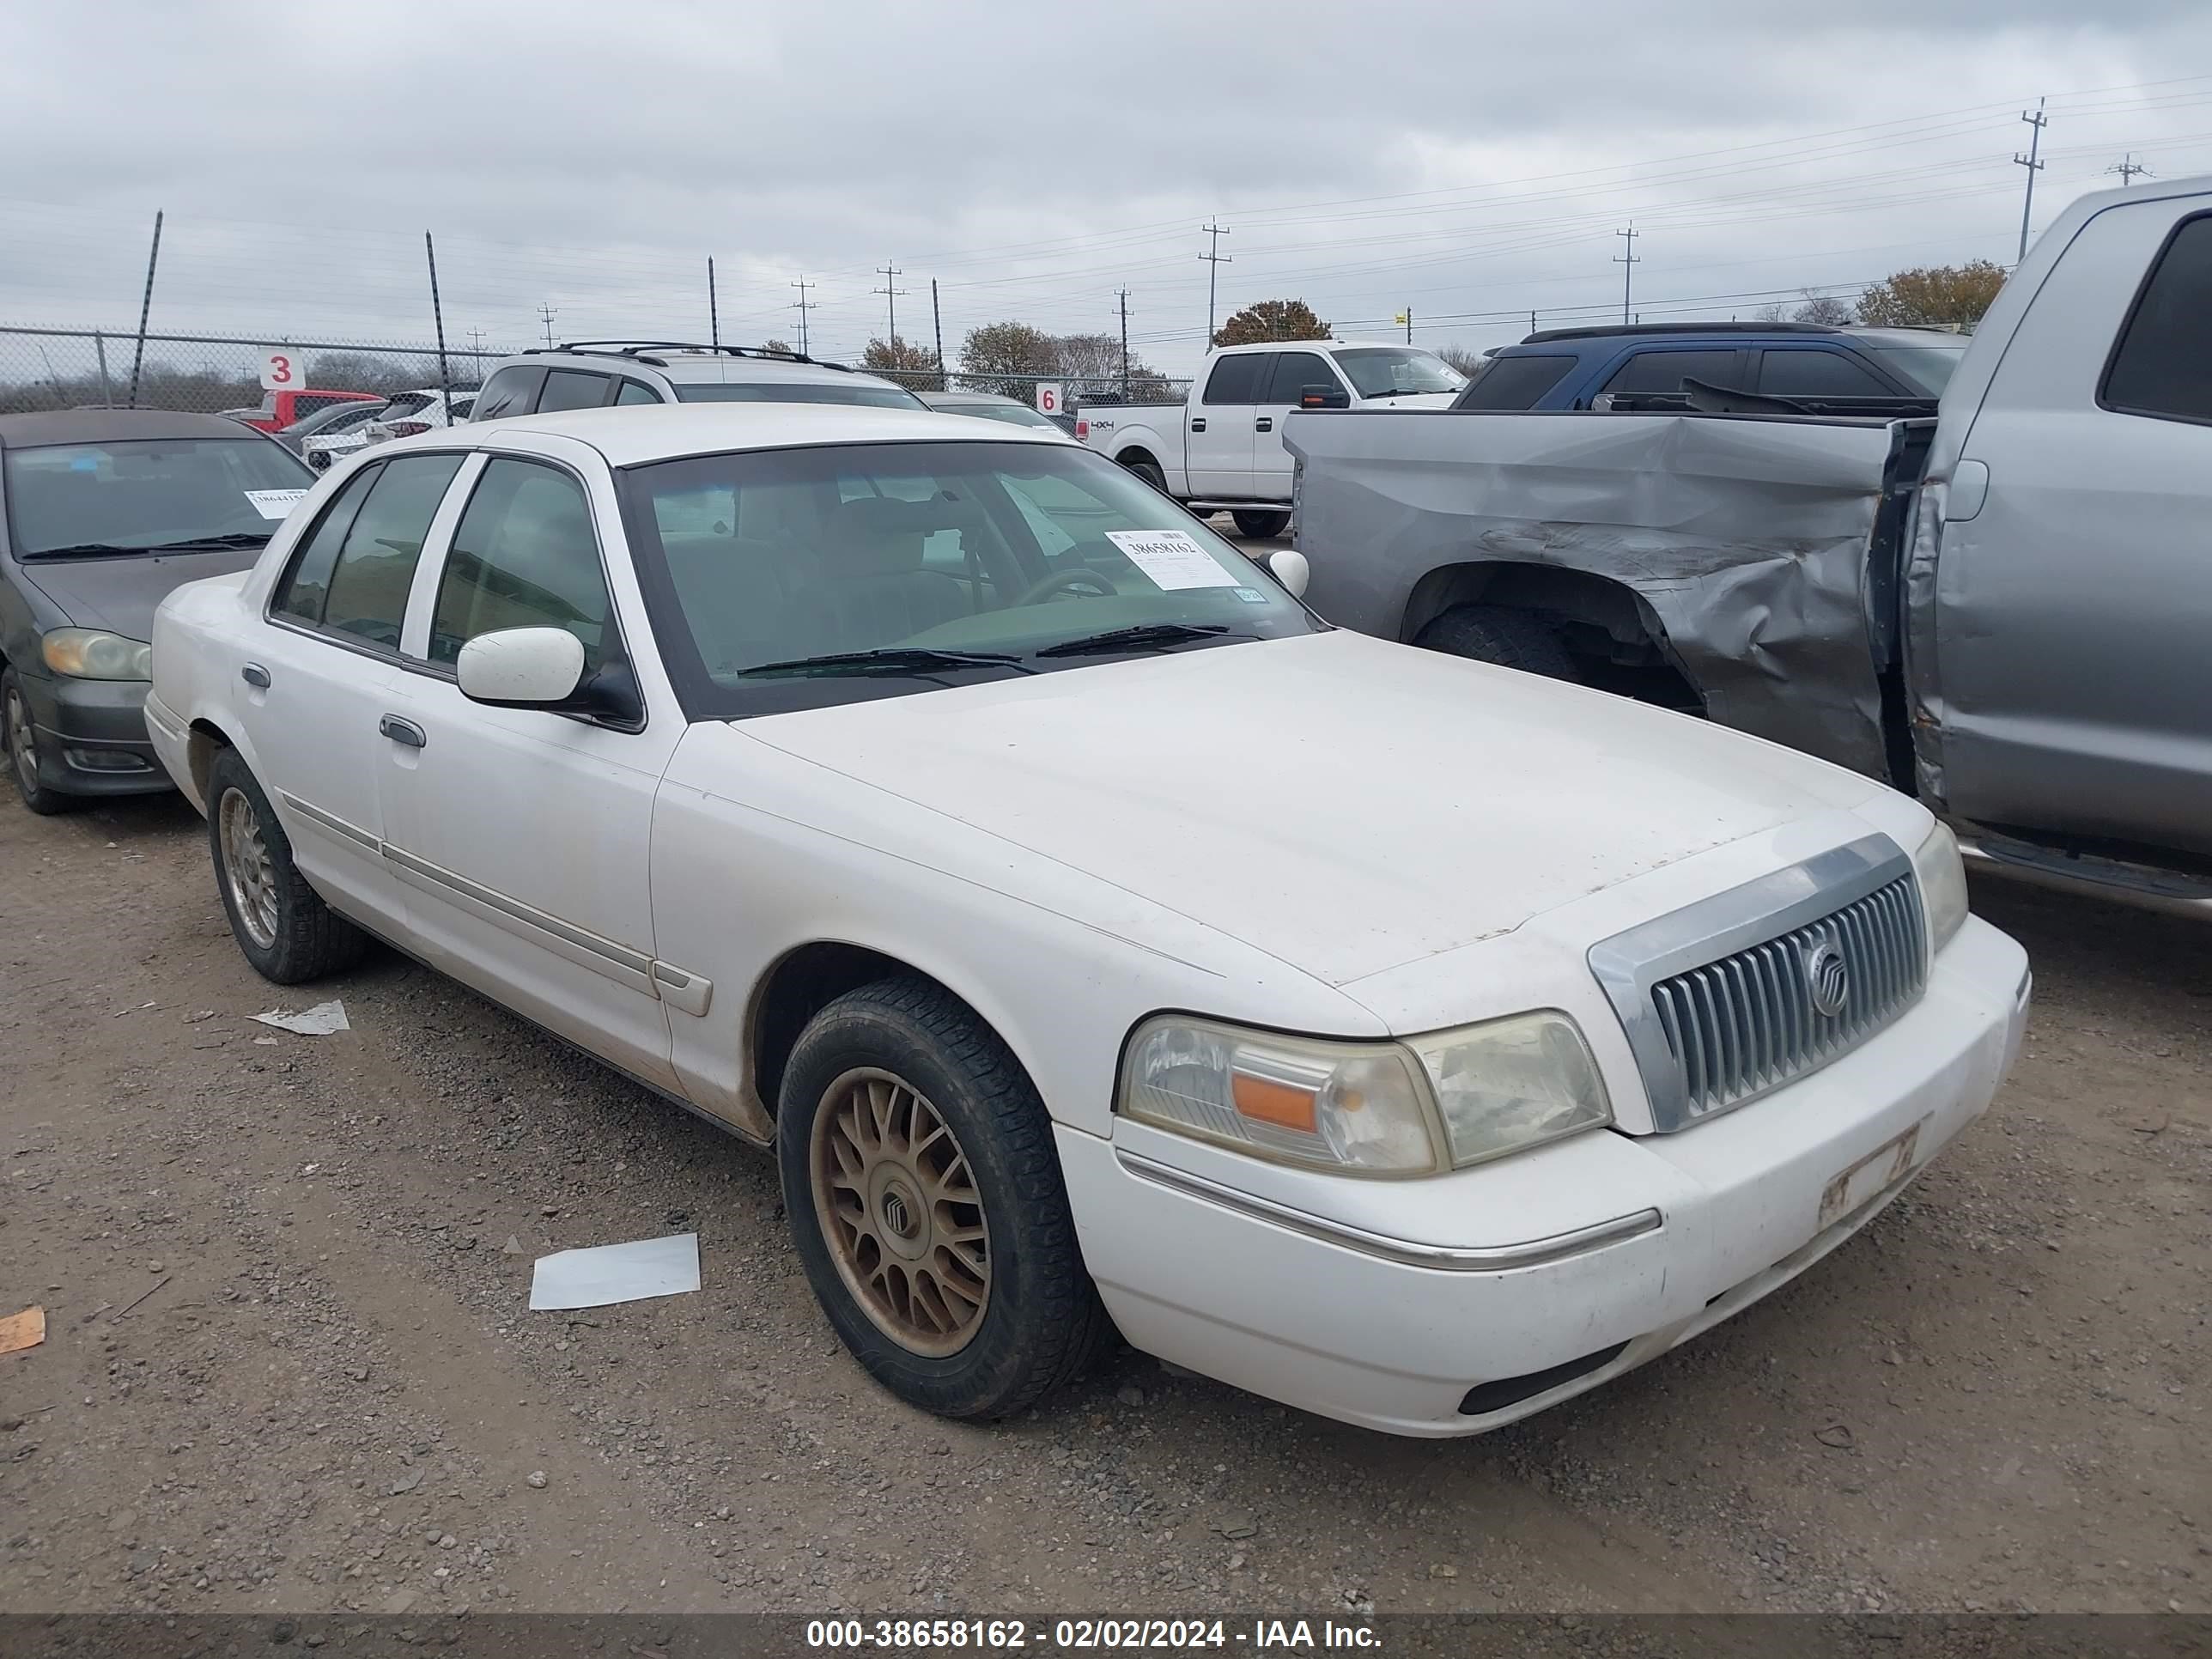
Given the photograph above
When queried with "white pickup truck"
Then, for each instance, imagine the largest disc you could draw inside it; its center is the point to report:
(1223, 448)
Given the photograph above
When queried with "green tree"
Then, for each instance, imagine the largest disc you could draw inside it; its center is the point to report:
(996, 356)
(1933, 296)
(915, 367)
(1272, 319)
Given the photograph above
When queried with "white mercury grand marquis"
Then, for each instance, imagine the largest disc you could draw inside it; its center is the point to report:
(1101, 941)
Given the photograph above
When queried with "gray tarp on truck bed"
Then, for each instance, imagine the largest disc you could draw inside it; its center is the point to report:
(1748, 537)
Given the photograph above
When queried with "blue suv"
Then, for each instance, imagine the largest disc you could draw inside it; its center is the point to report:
(1586, 367)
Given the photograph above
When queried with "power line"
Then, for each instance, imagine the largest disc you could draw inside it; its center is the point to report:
(2130, 169)
(2039, 121)
(1628, 262)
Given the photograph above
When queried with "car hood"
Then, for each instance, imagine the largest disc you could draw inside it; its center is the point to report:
(1342, 803)
(120, 593)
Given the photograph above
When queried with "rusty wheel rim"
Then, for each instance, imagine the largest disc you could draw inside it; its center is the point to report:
(897, 1205)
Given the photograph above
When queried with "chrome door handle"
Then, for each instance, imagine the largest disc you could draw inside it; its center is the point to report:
(254, 674)
(401, 731)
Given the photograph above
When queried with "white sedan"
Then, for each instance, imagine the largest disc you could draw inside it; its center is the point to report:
(1101, 941)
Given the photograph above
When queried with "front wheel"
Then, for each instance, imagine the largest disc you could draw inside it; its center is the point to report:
(925, 1200)
(281, 923)
(18, 737)
(1259, 525)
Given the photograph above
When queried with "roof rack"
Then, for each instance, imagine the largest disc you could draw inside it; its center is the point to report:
(1598, 329)
(643, 351)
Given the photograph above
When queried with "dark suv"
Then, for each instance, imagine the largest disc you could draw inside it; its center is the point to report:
(1586, 367)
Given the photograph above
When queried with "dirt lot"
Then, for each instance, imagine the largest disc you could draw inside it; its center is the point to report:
(289, 1368)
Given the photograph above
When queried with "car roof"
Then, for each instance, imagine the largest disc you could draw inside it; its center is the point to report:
(691, 365)
(657, 432)
(93, 426)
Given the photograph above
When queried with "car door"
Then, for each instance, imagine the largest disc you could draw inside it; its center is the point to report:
(1294, 371)
(2074, 570)
(315, 667)
(1217, 443)
(522, 835)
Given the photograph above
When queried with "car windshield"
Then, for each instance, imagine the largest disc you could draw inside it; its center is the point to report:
(142, 493)
(797, 392)
(1012, 414)
(1929, 368)
(1397, 371)
(768, 558)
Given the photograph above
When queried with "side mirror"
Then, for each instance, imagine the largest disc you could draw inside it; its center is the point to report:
(1289, 569)
(521, 667)
(1324, 397)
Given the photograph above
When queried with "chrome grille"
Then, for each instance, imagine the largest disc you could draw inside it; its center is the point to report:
(1748, 1022)
(1723, 1000)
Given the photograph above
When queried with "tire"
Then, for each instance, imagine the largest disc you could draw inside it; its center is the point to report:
(1149, 470)
(320, 459)
(1258, 525)
(1036, 1322)
(1496, 633)
(281, 924)
(19, 742)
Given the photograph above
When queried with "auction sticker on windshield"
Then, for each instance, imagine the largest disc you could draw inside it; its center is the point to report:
(1171, 558)
(274, 503)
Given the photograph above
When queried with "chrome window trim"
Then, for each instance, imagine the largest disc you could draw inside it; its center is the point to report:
(1405, 1252)
(1629, 964)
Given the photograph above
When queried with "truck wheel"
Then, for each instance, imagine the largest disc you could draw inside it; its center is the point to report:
(925, 1200)
(1259, 525)
(20, 738)
(1498, 634)
(1151, 473)
(281, 923)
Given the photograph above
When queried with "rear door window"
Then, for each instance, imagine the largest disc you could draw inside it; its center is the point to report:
(1507, 383)
(569, 388)
(2162, 366)
(1238, 380)
(1811, 372)
(1665, 371)
(367, 597)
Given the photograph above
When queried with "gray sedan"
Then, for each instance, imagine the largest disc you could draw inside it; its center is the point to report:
(102, 511)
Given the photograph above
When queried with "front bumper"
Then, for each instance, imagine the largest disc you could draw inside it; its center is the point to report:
(92, 736)
(1436, 1337)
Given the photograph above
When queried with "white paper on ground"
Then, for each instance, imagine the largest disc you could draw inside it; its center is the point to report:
(1172, 558)
(320, 1020)
(274, 503)
(607, 1273)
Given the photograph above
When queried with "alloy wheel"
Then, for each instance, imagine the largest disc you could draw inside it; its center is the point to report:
(246, 870)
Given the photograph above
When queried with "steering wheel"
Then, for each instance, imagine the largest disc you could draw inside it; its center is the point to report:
(1060, 578)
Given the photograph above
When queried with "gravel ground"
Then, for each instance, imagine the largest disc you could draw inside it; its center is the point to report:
(288, 1366)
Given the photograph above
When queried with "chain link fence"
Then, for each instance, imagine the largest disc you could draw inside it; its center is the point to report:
(208, 374)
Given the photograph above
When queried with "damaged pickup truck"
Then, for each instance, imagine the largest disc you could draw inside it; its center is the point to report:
(2005, 610)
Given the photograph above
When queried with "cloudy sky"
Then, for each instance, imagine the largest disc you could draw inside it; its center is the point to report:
(1471, 161)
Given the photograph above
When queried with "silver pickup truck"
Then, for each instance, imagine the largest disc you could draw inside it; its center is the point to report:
(2005, 610)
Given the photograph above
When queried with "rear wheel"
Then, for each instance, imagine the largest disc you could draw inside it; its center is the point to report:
(1149, 470)
(1258, 525)
(1498, 634)
(281, 923)
(925, 1199)
(19, 736)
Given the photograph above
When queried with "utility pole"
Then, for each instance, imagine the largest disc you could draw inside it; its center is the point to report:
(1409, 326)
(476, 345)
(714, 308)
(145, 305)
(1532, 319)
(2039, 121)
(937, 322)
(546, 314)
(1215, 258)
(1628, 262)
(1124, 345)
(891, 290)
(438, 317)
(2130, 169)
(802, 305)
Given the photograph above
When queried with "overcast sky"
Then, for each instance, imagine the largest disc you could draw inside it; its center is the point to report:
(1472, 161)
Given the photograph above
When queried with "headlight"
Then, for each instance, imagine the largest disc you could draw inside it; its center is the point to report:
(1942, 875)
(1376, 1108)
(86, 653)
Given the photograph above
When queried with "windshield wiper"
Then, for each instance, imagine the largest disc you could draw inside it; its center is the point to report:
(891, 659)
(117, 549)
(1136, 638)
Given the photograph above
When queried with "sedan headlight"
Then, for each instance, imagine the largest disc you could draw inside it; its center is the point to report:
(1943, 877)
(1413, 1107)
(87, 654)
